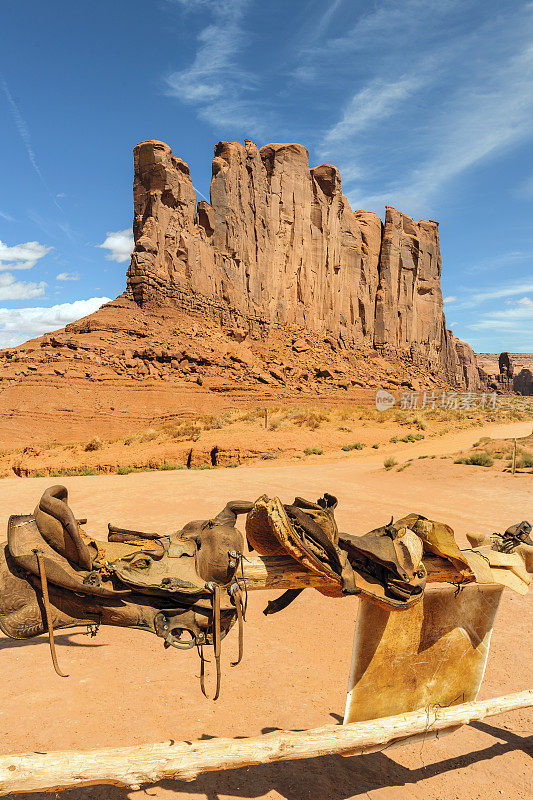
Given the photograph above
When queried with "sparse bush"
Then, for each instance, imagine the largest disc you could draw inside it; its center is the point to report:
(481, 459)
(124, 470)
(389, 463)
(404, 466)
(148, 436)
(94, 444)
(375, 446)
(312, 419)
(412, 437)
(168, 465)
(313, 451)
(393, 440)
(524, 461)
(353, 446)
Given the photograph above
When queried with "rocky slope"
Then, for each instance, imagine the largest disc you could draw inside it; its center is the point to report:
(280, 247)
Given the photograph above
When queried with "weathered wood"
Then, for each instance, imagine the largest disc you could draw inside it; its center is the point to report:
(134, 766)
(262, 572)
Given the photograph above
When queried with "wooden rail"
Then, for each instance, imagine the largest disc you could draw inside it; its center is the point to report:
(138, 765)
(285, 573)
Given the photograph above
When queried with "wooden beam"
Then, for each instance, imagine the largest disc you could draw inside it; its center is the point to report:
(263, 572)
(138, 765)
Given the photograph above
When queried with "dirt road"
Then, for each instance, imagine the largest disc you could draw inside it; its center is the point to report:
(125, 689)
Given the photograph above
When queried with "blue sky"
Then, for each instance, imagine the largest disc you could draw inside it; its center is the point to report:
(427, 106)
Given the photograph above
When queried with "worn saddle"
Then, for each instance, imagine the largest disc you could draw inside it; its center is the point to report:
(181, 586)
(188, 586)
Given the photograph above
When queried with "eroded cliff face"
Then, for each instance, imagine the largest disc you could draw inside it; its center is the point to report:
(279, 246)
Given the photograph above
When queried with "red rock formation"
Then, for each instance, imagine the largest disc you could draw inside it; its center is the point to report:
(279, 246)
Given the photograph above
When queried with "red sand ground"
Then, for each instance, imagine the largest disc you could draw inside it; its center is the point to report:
(124, 688)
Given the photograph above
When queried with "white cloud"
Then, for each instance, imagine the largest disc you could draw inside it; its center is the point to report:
(11, 289)
(68, 276)
(6, 216)
(215, 83)
(513, 326)
(506, 290)
(17, 325)
(461, 98)
(120, 245)
(525, 301)
(376, 101)
(450, 299)
(21, 256)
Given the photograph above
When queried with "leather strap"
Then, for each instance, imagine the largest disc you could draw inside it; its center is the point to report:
(47, 611)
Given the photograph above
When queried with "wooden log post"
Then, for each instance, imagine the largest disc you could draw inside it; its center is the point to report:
(142, 764)
(273, 572)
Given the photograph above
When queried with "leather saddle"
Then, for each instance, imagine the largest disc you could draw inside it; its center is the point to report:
(384, 565)
(181, 586)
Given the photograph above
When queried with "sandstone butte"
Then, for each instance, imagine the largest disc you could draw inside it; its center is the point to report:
(275, 289)
(279, 247)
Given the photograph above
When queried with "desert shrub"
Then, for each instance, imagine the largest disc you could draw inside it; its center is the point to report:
(124, 470)
(524, 461)
(375, 446)
(412, 437)
(393, 440)
(404, 466)
(168, 465)
(72, 473)
(313, 451)
(214, 423)
(39, 474)
(94, 444)
(389, 463)
(353, 446)
(312, 419)
(483, 440)
(148, 436)
(481, 459)
(231, 465)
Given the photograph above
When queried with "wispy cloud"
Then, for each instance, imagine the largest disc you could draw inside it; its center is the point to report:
(120, 245)
(6, 216)
(11, 289)
(25, 135)
(17, 325)
(463, 96)
(505, 290)
(21, 256)
(449, 299)
(513, 325)
(68, 276)
(373, 103)
(216, 83)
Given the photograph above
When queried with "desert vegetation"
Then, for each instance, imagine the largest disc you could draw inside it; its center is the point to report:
(238, 435)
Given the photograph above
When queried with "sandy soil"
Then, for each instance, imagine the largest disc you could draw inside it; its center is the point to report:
(125, 689)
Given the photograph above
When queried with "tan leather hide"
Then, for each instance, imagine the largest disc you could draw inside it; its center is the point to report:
(433, 653)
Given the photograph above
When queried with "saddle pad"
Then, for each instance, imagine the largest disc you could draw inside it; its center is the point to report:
(433, 653)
